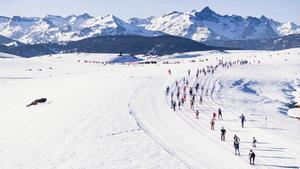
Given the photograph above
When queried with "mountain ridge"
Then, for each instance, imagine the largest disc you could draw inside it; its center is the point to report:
(130, 44)
(208, 25)
(199, 25)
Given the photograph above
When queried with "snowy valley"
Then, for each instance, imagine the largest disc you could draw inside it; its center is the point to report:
(111, 111)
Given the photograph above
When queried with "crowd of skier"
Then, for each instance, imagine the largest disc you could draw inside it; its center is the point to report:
(188, 92)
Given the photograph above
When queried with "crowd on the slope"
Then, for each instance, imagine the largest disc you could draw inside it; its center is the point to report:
(185, 92)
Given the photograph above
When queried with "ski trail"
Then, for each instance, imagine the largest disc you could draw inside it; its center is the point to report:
(171, 129)
(281, 157)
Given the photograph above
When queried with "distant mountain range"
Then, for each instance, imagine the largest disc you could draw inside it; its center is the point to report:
(59, 29)
(285, 42)
(201, 25)
(171, 33)
(207, 25)
(129, 44)
(8, 41)
(158, 45)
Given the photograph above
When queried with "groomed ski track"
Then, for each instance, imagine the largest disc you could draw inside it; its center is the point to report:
(191, 140)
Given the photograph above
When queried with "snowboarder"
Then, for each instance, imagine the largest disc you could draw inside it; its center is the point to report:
(189, 72)
(220, 114)
(223, 132)
(201, 100)
(212, 124)
(236, 144)
(243, 119)
(169, 71)
(254, 142)
(252, 157)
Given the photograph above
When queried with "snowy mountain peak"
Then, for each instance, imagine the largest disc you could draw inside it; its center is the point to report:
(263, 17)
(84, 16)
(140, 21)
(291, 25)
(4, 19)
(173, 13)
(24, 19)
(112, 21)
(111, 17)
(52, 28)
(199, 25)
(207, 11)
(206, 24)
(288, 28)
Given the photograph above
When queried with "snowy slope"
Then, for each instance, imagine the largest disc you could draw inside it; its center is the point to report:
(6, 56)
(118, 116)
(8, 42)
(208, 25)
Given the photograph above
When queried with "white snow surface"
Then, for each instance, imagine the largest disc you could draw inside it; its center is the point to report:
(100, 115)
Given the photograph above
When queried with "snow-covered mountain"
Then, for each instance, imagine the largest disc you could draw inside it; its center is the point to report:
(60, 29)
(208, 25)
(8, 42)
(199, 25)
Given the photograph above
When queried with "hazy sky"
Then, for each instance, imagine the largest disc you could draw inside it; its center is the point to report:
(280, 10)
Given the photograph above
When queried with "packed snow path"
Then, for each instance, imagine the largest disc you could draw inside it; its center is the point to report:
(191, 139)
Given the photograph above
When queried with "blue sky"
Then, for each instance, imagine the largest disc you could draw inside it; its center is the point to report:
(280, 10)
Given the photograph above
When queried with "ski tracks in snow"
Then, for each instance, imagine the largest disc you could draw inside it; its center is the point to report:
(192, 142)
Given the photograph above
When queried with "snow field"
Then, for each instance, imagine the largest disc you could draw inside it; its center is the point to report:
(118, 116)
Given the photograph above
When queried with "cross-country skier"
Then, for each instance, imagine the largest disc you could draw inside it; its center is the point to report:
(220, 114)
(254, 142)
(197, 114)
(243, 119)
(191, 91)
(174, 105)
(214, 115)
(192, 104)
(197, 87)
(223, 132)
(212, 124)
(167, 90)
(236, 144)
(252, 157)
